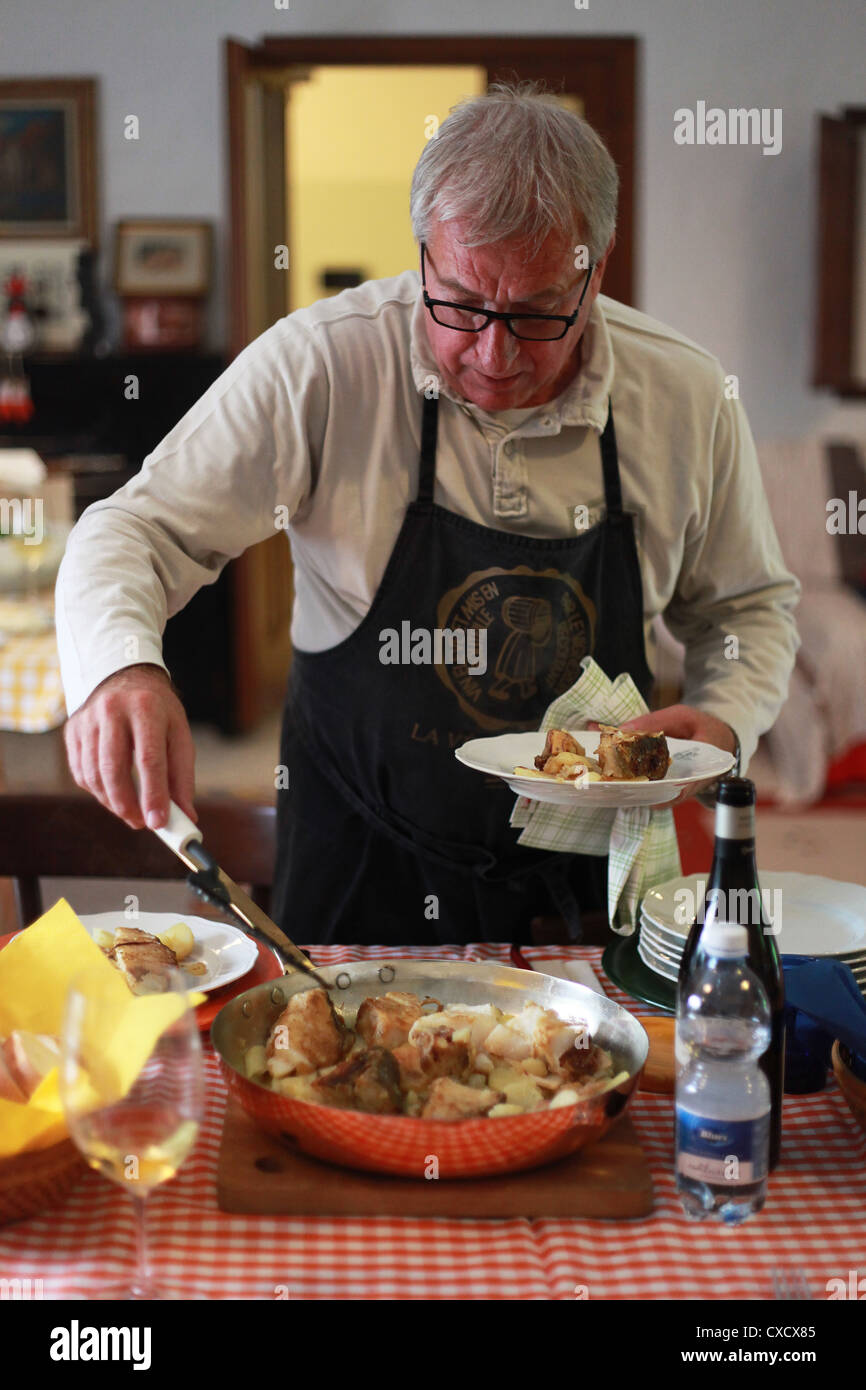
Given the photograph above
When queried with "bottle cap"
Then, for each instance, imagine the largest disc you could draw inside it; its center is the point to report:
(727, 939)
(736, 791)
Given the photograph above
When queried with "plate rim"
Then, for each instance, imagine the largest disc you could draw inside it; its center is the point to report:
(674, 744)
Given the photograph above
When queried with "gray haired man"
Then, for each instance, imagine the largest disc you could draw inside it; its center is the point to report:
(486, 445)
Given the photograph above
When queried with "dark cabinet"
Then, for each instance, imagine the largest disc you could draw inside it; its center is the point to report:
(88, 420)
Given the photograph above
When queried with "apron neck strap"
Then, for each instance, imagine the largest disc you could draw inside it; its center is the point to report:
(427, 470)
(610, 468)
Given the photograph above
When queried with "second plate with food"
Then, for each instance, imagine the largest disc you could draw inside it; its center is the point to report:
(226, 952)
(693, 767)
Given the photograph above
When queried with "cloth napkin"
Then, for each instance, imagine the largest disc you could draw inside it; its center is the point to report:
(641, 841)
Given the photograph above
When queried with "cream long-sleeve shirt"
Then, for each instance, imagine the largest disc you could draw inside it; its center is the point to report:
(318, 423)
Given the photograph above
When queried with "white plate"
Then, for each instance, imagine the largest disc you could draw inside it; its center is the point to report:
(655, 963)
(693, 765)
(226, 951)
(669, 944)
(820, 916)
(670, 950)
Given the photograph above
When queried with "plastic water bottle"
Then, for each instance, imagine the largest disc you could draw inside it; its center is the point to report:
(722, 1094)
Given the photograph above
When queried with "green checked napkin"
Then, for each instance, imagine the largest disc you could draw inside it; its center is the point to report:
(640, 840)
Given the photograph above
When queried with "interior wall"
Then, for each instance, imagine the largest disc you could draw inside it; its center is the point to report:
(725, 235)
(349, 165)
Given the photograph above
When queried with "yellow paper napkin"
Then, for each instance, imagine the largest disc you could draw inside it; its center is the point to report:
(37, 969)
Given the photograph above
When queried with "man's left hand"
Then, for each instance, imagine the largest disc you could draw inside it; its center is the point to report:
(683, 721)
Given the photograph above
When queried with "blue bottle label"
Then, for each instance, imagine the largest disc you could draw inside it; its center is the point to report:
(722, 1152)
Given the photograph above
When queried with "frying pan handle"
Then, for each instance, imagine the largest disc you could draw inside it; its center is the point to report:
(179, 831)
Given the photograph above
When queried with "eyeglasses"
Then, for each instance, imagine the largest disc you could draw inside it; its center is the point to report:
(464, 318)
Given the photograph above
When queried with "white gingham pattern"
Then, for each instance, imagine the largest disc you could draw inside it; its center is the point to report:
(815, 1220)
(640, 840)
(31, 693)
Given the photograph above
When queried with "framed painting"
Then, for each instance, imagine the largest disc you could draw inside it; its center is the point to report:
(48, 158)
(163, 256)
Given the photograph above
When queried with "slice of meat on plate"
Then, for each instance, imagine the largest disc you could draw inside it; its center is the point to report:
(143, 960)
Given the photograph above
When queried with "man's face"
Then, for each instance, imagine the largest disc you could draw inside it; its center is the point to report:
(493, 369)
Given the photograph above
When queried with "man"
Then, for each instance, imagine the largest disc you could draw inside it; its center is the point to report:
(446, 457)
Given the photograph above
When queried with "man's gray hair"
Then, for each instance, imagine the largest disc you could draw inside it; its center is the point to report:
(515, 163)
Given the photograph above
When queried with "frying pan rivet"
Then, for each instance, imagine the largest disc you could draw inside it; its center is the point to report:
(277, 996)
(246, 1008)
(343, 980)
(386, 974)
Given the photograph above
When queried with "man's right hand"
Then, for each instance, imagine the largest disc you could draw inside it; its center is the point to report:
(134, 718)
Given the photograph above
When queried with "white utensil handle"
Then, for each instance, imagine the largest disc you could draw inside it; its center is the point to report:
(179, 830)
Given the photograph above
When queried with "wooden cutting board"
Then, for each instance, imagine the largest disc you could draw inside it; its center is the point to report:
(258, 1174)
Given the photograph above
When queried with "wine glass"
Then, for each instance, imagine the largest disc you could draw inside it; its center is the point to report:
(138, 1135)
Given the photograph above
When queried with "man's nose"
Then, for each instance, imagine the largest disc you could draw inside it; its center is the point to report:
(496, 348)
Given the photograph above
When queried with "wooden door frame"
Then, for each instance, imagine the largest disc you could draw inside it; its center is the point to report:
(601, 70)
(600, 65)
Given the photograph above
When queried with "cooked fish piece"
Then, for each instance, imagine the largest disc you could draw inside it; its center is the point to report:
(411, 1074)
(308, 1034)
(368, 1081)
(579, 1062)
(625, 756)
(536, 1033)
(558, 741)
(385, 1021)
(142, 959)
(469, 1023)
(449, 1100)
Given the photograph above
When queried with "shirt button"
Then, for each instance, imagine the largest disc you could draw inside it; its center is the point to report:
(547, 422)
(508, 449)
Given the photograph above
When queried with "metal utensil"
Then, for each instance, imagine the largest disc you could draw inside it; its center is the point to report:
(214, 885)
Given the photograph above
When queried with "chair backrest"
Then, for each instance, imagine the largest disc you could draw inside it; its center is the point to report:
(72, 836)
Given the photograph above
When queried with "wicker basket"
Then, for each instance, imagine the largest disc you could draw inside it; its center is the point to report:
(852, 1088)
(33, 1182)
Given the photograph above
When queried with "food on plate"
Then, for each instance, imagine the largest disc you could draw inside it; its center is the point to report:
(144, 960)
(563, 758)
(400, 1056)
(620, 757)
(25, 1059)
(627, 756)
(179, 938)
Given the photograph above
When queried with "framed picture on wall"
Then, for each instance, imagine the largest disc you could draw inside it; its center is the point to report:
(48, 158)
(168, 256)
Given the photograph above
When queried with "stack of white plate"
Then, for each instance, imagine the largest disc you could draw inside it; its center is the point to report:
(813, 916)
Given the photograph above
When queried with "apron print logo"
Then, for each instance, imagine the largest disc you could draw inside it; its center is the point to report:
(539, 626)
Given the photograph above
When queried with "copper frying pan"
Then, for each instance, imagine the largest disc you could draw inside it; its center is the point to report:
(399, 1144)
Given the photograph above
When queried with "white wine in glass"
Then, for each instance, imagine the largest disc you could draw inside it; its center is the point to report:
(131, 1082)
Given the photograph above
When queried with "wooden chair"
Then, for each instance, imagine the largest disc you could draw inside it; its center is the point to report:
(72, 836)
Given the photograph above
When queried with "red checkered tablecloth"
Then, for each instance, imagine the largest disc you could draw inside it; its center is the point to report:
(814, 1221)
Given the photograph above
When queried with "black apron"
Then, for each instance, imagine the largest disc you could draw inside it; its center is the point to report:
(382, 835)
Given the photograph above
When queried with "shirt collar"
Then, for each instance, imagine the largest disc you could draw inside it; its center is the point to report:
(583, 402)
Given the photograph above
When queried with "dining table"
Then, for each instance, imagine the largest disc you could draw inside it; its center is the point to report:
(810, 1235)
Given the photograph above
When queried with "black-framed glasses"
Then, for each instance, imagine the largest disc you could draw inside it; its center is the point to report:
(464, 318)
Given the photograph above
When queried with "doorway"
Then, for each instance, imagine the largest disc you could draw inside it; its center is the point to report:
(353, 138)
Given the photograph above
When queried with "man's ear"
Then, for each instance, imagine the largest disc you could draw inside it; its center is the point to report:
(601, 265)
